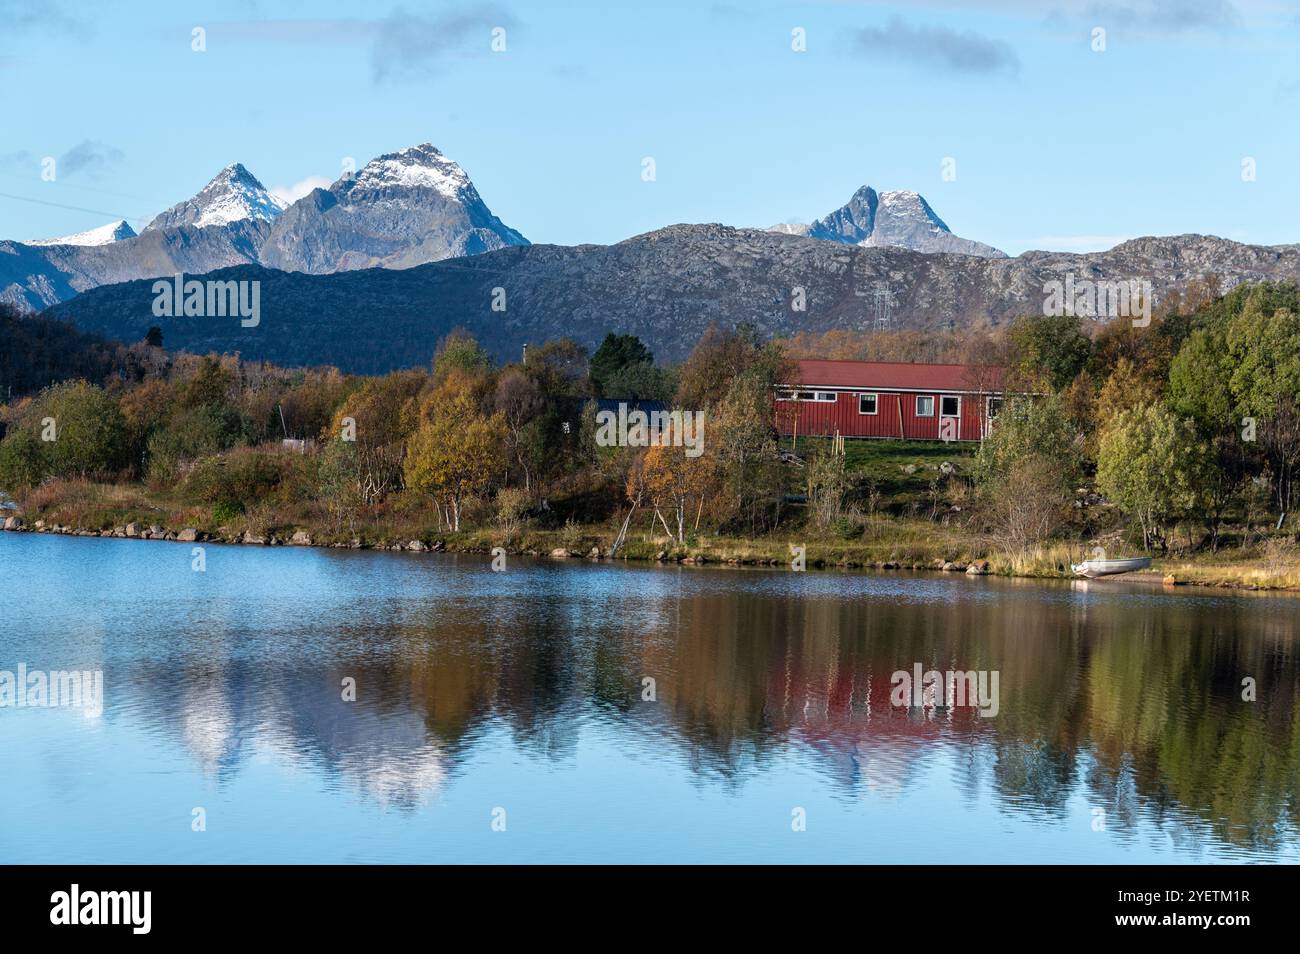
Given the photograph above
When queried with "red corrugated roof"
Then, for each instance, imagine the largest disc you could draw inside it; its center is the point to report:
(899, 375)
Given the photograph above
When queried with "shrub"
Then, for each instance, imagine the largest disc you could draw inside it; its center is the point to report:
(847, 528)
(89, 436)
(225, 511)
(21, 463)
(238, 478)
(193, 433)
(512, 504)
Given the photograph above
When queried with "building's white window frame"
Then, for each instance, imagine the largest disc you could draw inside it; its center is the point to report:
(875, 402)
(924, 397)
(952, 397)
(809, 396)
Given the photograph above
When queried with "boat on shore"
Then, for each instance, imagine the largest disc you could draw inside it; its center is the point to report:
(1095, 568)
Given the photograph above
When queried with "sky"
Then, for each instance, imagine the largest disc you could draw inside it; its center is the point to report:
(1021, 125)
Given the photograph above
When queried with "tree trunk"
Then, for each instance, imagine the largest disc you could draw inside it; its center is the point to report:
(667, 529)
(622, 532)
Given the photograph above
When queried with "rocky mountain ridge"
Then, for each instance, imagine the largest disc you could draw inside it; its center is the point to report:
(665, 286)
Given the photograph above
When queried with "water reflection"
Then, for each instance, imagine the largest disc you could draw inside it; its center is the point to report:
(1121, 699)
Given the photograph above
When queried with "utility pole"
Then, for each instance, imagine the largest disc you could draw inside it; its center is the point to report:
(884, 307)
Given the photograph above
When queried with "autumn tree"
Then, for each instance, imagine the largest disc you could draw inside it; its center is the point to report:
(560, 369)
(719, 358)
(455, 455)
(675, 484)
(742, 443)
(459, 351)
(1125, 388)
(379, 417)
(520, 402)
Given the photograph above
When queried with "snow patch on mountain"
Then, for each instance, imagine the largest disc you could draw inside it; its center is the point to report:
(418, 167)
(898, 218)
(233, 195)
(104, 235)
(402, 209)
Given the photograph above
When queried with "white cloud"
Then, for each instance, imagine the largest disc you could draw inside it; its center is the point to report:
(292, 193)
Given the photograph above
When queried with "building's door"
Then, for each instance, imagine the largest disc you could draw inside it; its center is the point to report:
(992, 407)
(949, 417)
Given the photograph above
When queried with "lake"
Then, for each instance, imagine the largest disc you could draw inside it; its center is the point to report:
(511, 717)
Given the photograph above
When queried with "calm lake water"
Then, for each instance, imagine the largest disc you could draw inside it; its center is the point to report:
(518, 696)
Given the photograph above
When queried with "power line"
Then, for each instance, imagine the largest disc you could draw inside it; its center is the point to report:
(64, 183)
(73, 208)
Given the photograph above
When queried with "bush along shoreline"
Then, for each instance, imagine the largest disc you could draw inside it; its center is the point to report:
(1178, 439)
(893, 548)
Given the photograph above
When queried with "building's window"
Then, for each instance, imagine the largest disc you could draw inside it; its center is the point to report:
(827, 397)
(785, 395)
(867, 403)
(950, 406)
(924, 405)
(807, 396)
(995, 407)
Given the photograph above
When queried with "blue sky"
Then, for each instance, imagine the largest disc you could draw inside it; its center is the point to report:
(1056, 145)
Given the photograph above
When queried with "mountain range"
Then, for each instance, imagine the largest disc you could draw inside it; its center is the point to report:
(401, 209)
(369, 273)
(665, 286)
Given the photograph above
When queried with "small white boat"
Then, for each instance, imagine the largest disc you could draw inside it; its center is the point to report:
(1095, 568)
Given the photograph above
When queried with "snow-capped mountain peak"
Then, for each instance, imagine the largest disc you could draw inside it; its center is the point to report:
(401, 209)
(104, 235)
(896, 218)
(233, 194)
(417, 167)
(910, 205)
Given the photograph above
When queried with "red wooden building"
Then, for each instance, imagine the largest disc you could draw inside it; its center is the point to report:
(927, 402)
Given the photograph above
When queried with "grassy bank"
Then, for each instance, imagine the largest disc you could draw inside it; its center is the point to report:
(890, 542)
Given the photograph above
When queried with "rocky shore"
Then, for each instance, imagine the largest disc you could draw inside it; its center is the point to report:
(733, 553)
(301, 538)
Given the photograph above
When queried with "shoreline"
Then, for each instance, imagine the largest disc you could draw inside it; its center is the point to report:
(1165, 573)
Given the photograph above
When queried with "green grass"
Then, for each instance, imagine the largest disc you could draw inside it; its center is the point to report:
(885, 463)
